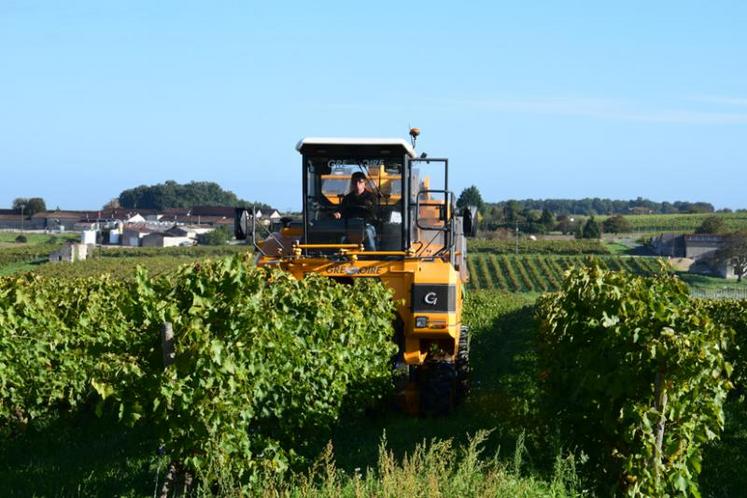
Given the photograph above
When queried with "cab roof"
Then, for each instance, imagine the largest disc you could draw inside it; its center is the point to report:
(363, 147)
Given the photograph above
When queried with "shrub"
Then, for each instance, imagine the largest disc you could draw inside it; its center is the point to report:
(22, 239)
(711, 225)
(215, 237)
(616, 224)
(733, 314)
(635, 376)
(263, 363)
(590, 230)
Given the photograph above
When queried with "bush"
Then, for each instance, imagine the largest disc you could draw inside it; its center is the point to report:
(216, 237)
(263, 363)
(733, 314)
(634, 376)
(711, 225)
(590, 230)
(616, 224)
(22, 239)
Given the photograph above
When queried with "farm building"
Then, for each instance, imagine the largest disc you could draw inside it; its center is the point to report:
(133, 234)
(700, 249)
(70, 253)
(162, 239)
(686, 246)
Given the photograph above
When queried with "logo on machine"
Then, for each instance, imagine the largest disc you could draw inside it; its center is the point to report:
(354, 270)
(431, 298)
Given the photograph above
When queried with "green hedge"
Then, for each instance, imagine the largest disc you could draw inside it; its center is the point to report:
(733, 313)
(263, 362)
(635, 377)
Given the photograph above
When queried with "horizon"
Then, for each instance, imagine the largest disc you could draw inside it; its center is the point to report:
(563, 102)
(486, 201)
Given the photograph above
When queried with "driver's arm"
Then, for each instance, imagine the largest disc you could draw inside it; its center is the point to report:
(338, 214)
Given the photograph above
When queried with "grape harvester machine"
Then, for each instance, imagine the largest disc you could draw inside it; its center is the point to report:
(416, 247)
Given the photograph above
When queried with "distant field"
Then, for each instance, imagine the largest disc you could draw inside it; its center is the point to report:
(525, 246)
(196, 251)
(714, 287)
(680, 222)
(540, 273)
(123, 268)
(32, 238)
(17, 256)
(119, 262)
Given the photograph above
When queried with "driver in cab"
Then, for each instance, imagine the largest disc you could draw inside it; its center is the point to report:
(359, 203)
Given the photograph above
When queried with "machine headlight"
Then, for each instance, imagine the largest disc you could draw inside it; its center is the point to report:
(421, 322)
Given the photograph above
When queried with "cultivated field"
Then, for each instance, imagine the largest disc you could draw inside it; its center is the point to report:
(680, 222)
(64, 432)
(541, 273)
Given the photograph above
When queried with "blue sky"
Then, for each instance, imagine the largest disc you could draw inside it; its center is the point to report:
(527, 99)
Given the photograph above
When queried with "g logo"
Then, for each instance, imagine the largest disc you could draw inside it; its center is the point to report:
(431, 298)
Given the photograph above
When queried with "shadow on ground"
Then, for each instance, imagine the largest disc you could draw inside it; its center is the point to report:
(79, 455)
(503, 399)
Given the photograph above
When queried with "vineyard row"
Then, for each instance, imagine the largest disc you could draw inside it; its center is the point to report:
(541, 273)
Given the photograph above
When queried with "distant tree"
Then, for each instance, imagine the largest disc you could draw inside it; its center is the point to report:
(547, 219)
(712, 224)
(20, 202)
(616, 224)
(112, 204)
(591, 229)
(511, 211)
(261, 206)
(171, 194)
(566, 224)
(216, 237)
(36, 205)
(701, 207)
(734, 252)
(471, 197)
(30, 206)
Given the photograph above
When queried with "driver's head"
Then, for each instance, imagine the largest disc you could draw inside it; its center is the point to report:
(358, 182)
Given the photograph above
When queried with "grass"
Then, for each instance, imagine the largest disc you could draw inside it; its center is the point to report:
(431, 469)
(79, 455)
(725, 460)
(617, 249)
(18, 267)
(714, 287)
(33, 238)
(707, 282)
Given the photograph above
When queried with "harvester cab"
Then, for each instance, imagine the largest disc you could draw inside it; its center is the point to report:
(400, 226)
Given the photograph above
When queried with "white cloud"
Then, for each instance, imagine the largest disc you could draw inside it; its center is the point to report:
(609, 109)
(722, 100)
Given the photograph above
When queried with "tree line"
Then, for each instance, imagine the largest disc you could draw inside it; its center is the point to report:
(541, 215)
(597, 206)
(171, 194)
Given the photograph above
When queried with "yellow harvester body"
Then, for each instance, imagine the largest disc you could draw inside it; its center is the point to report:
(414, 245)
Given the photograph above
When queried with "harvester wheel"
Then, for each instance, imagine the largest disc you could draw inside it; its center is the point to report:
(437, 380)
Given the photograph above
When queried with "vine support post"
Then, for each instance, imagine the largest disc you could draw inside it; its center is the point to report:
(167, 344)
(660, 405)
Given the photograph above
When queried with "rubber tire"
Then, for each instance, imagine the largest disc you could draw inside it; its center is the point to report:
(437, 382)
